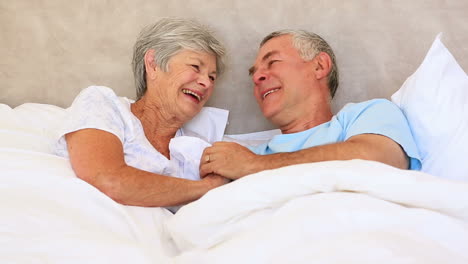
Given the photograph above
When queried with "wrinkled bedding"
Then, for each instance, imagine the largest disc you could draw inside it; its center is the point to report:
(329, 212)
(51, 216)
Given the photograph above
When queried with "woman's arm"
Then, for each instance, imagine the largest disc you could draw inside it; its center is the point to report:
(97, 157)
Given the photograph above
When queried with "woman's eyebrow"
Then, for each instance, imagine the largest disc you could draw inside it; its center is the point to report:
(199, 60)
(202, 63)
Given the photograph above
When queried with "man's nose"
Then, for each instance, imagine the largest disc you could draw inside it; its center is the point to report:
(259, 77)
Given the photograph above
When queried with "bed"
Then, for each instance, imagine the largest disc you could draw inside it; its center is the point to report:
(327, 212)
(331, 212)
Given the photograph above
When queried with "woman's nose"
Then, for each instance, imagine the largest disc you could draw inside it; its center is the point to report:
(204, 81)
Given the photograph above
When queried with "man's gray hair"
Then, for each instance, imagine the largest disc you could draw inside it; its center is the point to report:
(167, 37)
(310, 45)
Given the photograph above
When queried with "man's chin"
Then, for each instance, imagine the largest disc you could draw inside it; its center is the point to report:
(270, 115)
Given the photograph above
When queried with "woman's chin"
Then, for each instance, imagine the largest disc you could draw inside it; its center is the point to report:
(191, 111)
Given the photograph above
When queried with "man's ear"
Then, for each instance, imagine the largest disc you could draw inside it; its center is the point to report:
(150, 64)
(323, 65)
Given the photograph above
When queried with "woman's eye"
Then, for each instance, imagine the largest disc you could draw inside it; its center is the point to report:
(212, 78)
(196, 67)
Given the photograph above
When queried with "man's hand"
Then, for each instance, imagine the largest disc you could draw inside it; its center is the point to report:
(229, 160)
(234, 161)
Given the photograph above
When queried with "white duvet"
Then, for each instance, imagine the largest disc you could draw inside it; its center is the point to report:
(50, 216)
(328, 212)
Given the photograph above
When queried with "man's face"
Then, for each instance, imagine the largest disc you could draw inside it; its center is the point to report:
(282, 79)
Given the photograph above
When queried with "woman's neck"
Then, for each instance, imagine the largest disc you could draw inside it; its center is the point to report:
(159, 126)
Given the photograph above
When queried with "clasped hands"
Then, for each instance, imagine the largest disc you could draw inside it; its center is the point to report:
(227, 159)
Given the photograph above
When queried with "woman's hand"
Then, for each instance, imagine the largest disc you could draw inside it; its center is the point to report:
(214, 180)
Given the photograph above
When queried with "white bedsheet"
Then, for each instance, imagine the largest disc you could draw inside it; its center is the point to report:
(50, 216)
(330, 212)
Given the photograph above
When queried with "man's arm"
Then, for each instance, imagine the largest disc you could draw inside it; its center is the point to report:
(234, 161)
(97, 157)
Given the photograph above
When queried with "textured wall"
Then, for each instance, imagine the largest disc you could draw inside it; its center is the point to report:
(51, 49)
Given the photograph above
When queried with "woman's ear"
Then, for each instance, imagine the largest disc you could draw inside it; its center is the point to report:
(150, 64)
(323, 65)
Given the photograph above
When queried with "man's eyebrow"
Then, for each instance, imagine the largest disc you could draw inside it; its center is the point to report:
(252, 69)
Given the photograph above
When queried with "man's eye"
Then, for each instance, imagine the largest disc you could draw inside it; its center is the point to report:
(212, 78)
(271, 62)
(196, 67)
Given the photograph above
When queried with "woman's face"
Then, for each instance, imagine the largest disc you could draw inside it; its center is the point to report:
(184, 89)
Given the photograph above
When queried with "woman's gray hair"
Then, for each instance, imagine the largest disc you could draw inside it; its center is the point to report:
(167, 37)
(310, 45)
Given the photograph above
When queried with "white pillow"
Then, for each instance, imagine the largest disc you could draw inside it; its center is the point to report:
(252, 139)
(30, 126)
(435, 102)
(33, 126)
(209, 124)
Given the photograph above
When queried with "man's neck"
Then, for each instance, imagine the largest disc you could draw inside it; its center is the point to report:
(306, 117)
(300, 125)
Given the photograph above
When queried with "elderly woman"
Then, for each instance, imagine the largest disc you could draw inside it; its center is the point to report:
(122, 146)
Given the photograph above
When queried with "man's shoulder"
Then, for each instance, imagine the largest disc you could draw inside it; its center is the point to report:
(366, 104)
(379, 105)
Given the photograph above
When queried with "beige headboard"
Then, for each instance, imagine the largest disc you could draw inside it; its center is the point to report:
(51, 49)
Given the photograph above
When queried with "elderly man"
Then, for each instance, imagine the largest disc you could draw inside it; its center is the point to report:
(295, 76)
